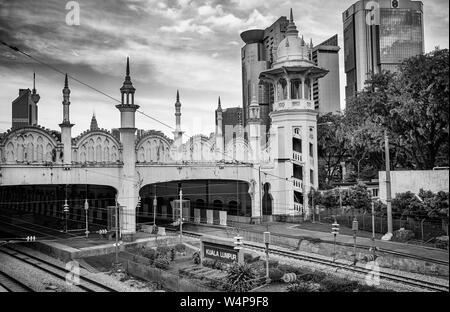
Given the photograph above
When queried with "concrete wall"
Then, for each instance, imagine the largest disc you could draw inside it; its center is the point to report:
(413, 181)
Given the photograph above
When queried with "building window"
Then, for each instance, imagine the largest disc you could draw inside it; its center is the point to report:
(311, 149)
(311, 176)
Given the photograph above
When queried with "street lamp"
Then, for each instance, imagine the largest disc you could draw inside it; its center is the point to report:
(388, 185)
(181, 216)
(267, 242)
(86, 208)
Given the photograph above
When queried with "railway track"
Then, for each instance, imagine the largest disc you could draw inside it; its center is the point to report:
(86, 284)
(11, 284)
(421, 284)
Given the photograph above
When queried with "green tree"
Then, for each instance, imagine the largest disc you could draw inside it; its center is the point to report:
(332, 148)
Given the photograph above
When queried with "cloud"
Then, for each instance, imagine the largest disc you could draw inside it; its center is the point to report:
(191, 45)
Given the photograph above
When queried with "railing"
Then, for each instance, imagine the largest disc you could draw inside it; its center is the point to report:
(296, 156)
(297, 183)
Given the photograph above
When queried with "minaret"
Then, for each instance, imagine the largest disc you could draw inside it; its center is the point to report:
(254, 123)
(66, 126)
(178, 134)
(128, 193)
(35, 98)
(219, 133)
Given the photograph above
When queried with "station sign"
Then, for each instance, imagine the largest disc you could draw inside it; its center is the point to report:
(222, 253)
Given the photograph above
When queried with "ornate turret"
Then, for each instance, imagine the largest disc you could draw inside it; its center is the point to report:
(127, 89)
(66, 103)
(291, 28)
(94, 124)
(219, 132)
(66, 126)
(178, 134)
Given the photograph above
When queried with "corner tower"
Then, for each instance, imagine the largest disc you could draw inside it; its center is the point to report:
(294, 123)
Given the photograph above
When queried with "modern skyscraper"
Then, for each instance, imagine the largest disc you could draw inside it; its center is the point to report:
(259, 53)
(379, 38)
(24, 108)
(326, 92)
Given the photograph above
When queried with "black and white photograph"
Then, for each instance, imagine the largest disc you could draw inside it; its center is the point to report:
(222, 153)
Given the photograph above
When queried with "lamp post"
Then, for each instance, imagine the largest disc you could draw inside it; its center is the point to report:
(86, 208)
(373, 228)
(355, 229)
(155, 202)
(267, 242)
(181, 215)
(388, 183)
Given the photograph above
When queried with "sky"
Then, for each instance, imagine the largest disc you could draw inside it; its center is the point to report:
(187, 45)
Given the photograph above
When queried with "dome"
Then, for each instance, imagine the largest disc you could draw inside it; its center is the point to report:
(292, 50)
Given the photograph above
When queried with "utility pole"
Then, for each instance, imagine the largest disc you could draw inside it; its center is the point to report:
(181, 216)
(117, 234)
(388, 183)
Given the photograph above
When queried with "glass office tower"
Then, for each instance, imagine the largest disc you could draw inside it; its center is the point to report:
(382, 43)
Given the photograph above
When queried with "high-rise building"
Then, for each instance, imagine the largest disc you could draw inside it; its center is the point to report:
(379, 37)
(327, 95)
(259, 53)
(24, 108)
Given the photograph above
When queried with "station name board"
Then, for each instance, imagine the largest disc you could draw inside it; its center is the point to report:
(220, 252)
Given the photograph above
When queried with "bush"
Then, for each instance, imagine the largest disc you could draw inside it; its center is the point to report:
(286, 268)
(273, 263)
(148, 253)
(275, 274)
(209, 263)
(196, 257)
(218, 265)
(302, 287)
(333, 284)
(172, 254)
(180, 248)
(162, 262)
(248, 258)
(240, 278)
(163, 250)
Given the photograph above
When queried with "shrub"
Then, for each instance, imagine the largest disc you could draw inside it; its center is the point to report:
(218, 265)
(209, 263)
(148, 253)
(248, 258)
(162, 262)
(240, 278)
(172, 254)
(196, 257)
(333, 284)
(302, 287)
(163, 250)
(273, 263)
(286, 268)
(275, 274)
(180, 248)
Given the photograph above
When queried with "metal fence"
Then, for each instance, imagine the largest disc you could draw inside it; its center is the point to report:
(424, 229)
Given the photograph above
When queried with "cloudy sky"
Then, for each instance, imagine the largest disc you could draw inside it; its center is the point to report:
(190, 45)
